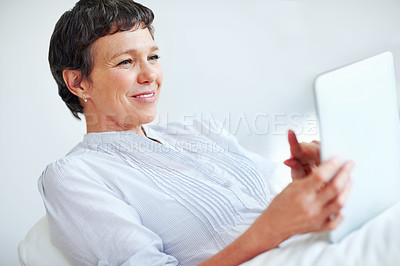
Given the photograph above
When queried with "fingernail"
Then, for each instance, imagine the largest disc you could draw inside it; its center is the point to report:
(288, 162)
(291, 162)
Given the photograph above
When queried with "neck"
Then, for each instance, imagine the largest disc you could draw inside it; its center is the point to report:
(104, 124)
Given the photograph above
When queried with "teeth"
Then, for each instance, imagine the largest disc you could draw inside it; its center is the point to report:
(145, 95)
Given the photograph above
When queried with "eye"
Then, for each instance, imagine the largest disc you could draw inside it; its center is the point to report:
(154, 57)
(125, 62)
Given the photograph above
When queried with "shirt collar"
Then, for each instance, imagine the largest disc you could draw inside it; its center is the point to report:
(112, 136)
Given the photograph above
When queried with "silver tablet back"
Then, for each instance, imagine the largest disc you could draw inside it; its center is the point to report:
(359, 120)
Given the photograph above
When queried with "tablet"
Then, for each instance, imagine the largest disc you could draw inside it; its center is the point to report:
(359, 120)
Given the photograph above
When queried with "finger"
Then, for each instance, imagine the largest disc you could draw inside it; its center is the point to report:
(298, 174)
(324, 173)
(295, 148)
(315, 142)
(308, 168)
(333, 222)
(306, 153)
(310, 153)
(296, 164)
(339, 182)
(346, 192)
(297, 169)
(335, 205)
(292, 163)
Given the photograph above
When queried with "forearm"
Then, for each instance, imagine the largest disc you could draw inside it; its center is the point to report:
(247, 246)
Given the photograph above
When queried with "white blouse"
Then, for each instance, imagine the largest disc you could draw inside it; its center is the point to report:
(121, 198)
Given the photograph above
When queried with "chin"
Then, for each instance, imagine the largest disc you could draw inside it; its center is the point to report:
(148, 118)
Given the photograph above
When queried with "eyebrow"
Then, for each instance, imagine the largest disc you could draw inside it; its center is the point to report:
(134, 51)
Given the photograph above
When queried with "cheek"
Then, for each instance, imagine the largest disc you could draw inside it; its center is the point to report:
(120, 82)
(121, 77)
(110, 87)
(160, 75)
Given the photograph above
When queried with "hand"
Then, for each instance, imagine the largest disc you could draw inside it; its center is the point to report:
(306, 205)
(309, 204)
(304, 156)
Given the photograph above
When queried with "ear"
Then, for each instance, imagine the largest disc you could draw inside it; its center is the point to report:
(73, 80)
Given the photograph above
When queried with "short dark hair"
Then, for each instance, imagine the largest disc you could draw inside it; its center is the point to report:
(78, 28)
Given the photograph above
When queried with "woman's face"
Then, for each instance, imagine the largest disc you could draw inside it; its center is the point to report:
(125, 82)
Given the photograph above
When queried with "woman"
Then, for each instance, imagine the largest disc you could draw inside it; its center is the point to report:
(133, 197)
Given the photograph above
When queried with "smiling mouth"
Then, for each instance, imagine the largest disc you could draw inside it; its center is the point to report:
(144, 95)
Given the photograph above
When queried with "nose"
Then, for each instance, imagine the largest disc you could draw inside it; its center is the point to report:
(147, 74)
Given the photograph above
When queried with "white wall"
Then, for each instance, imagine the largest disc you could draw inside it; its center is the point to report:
(253, 61)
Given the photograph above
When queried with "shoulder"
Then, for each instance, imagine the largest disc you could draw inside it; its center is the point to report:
(63, 170)
(79, 166)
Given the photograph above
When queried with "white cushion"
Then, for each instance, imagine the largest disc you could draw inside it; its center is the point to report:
(37, 249)
(376, 243)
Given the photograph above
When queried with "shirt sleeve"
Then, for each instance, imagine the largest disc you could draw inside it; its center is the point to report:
(91, 224)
